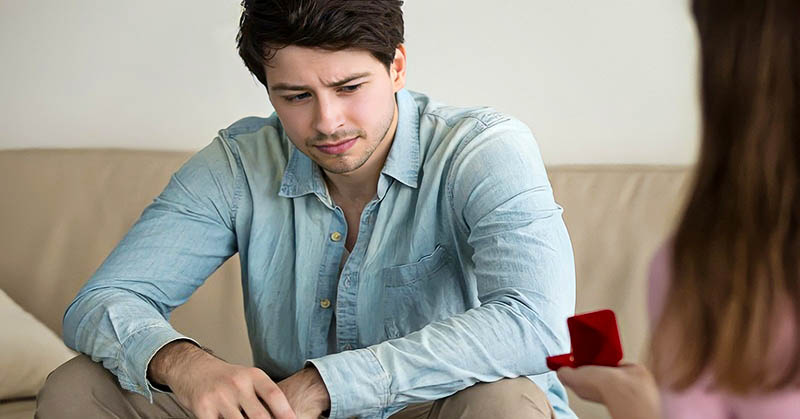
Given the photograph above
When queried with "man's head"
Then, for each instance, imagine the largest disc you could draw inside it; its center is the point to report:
(331, 68)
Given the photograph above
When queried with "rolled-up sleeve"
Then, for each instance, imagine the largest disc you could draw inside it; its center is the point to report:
(120, 316)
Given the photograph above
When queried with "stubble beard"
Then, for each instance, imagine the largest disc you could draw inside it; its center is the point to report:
(340, 166)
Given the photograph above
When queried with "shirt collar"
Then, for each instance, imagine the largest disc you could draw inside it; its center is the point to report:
(303, 176)
(403, 160)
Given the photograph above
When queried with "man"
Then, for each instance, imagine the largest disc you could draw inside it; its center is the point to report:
(395, 252)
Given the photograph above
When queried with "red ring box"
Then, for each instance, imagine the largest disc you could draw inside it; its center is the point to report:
(594, 338)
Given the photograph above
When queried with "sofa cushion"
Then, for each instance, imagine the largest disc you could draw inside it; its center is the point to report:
(28, 351)
(24, 409)
(64, 210)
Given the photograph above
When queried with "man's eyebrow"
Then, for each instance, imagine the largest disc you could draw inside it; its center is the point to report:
(338, 83)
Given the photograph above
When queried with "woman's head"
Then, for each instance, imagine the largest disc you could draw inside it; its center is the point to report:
(737, 246)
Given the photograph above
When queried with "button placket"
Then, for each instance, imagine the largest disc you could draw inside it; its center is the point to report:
(326, 294)
(346, 302)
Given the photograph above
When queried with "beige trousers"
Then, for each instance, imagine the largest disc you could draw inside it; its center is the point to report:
(82, 388)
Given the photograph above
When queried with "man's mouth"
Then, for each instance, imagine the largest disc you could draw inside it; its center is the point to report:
(337, 148)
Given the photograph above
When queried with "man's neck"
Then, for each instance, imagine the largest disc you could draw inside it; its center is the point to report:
(361, 185)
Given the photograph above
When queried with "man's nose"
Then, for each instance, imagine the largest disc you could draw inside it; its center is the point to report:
(329, 116)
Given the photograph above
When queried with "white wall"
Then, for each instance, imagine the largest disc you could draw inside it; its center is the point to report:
(598, 81)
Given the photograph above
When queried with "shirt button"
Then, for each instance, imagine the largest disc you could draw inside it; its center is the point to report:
(324, 303)
(347, 282)
(347, 347)
(336, 236)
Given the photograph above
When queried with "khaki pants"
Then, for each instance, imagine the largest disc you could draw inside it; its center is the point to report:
(82, 388)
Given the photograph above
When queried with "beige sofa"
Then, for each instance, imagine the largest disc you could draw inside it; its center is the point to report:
(62, 211)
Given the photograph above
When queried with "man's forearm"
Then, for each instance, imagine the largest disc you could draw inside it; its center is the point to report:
(306, 392)
(171, 359)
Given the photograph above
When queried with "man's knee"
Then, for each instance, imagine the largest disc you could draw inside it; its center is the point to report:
(67, 388)
(507, 398)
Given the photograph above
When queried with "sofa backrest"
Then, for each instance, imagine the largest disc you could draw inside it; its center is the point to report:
(62, 211)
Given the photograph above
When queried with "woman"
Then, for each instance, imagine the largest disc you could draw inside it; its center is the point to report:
(725, 291)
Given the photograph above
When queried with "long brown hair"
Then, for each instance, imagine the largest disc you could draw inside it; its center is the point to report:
(736, 249)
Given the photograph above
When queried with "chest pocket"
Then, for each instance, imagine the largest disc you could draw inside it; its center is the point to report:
(419, 293)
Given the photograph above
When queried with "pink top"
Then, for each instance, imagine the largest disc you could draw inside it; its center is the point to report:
(700, 401)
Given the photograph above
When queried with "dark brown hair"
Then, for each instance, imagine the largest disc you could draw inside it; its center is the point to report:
(736, 277)
(269, 25)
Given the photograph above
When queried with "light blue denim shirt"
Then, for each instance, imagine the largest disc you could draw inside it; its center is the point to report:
(462, 272)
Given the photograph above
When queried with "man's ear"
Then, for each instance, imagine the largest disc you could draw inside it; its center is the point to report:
(397, 70)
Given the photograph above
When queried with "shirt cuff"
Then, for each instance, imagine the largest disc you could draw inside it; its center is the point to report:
(356, 382)
(140, 349)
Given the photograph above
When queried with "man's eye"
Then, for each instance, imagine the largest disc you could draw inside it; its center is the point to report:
(350, 88)
(296, 98)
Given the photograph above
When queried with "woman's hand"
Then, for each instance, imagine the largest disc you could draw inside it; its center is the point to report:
(628, 391)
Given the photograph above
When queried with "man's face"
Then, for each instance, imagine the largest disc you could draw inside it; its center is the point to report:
(336, 106)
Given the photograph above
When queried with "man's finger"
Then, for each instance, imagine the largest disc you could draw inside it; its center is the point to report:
(272, 395)
(206, 413)
(230, 411)
(253, 408)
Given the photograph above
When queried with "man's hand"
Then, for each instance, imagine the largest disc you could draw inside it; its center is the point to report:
(212, 388)
(307, 393)
(628, 391)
